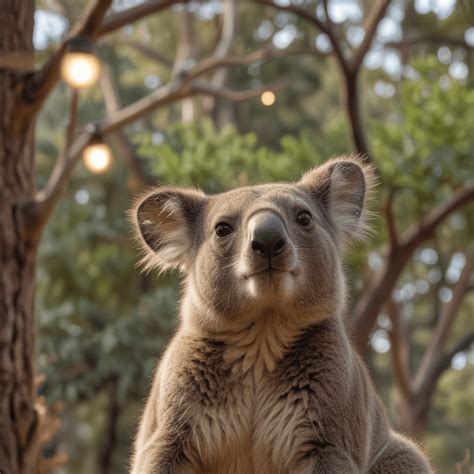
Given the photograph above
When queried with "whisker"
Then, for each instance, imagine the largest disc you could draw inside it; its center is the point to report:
(233, 264)
(229, 257)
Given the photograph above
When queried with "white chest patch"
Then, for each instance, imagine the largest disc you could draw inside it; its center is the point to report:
(256, 349)
(248, 433)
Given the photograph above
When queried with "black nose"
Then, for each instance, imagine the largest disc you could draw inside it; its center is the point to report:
(267, 237)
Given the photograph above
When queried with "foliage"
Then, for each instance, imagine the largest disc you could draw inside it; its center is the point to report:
(430, 137)
(198, 155)
(111, 310)
(425, 154)
(103, 324)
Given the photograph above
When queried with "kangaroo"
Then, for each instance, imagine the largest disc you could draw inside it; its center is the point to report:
(260, 376)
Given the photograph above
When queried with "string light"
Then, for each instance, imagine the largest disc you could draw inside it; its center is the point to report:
(80, 67)
(268, 98)
(97, 157)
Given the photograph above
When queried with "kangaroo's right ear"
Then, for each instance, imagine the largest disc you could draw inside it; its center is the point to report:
(165, 220)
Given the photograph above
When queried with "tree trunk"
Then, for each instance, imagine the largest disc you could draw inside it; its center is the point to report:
(413, 417)
(111, 434)
(371, 302)
(19, 444)
(352, 103)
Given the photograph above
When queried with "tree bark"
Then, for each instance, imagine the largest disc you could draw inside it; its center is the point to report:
(19, 444)
(352, 105)
(111, 434)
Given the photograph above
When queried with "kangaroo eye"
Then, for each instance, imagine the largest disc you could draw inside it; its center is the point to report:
(223, 230)
(304, 218)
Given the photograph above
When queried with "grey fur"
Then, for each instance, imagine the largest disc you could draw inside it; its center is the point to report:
(260, 376)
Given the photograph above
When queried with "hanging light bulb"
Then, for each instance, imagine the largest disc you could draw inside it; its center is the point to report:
(97, 157)
(268, 98)
(80, 67)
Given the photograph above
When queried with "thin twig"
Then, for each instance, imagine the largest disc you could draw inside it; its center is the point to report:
(236, 95)
(370, 27)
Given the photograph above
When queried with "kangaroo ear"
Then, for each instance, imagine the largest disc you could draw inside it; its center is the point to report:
(165, 220)
(341, 186)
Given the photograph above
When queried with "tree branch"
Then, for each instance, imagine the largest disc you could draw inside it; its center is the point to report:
(461, 345)
(213, 62)
(443, 328)
(187, 53)
(233, 95)
(424, 229)
(188, 42)
(150, 53)
(222, 49)
(399, 350)
(416, 396)
(315, 21)
(298, 11)
(349, 67)
(60, 7)
(351, 74)
(112, 104)
(71, 127)
(48, 198)
(38, 211)
(425, 390)
(114, 21)
(424, 39)
(181, 86)
(370, 27)
(383, 282)
(226, 40)
(37, 86)
(344, 64)
(162, 96)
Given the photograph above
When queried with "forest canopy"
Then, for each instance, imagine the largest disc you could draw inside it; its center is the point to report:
(389, 80)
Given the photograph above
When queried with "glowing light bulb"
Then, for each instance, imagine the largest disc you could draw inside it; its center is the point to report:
(97, 158)
(80, 67)
(268, 98)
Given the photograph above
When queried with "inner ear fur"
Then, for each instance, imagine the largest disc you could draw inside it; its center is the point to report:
(165, 221)
(342, 186)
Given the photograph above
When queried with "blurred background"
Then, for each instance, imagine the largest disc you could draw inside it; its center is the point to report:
(288, 84)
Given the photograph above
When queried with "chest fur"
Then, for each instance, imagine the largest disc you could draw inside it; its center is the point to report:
(260, 400)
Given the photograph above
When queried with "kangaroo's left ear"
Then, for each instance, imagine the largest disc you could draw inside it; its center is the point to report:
(342, 186)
